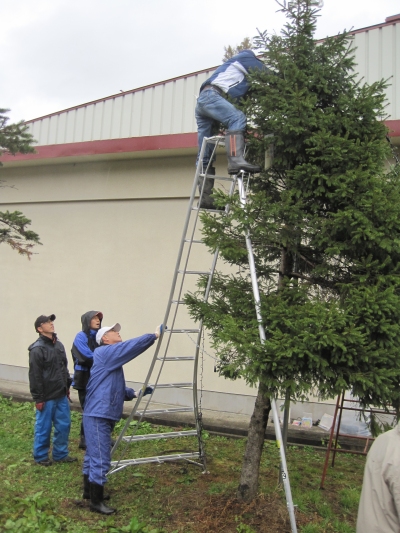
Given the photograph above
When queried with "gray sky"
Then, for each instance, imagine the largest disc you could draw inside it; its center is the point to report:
(59, 53)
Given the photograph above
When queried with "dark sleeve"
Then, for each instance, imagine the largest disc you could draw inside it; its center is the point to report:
(67, 376)
(80, 359)
(36, 384)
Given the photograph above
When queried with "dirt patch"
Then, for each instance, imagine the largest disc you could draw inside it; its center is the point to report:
(266, 514)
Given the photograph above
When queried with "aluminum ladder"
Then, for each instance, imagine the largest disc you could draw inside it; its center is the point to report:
(168, 352)
(176, 303)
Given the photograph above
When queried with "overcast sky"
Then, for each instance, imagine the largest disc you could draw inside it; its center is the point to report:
(59, 53)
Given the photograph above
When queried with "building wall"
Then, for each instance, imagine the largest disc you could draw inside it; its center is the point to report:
(161, 109)
(110, 233)
(110, 218)
(377, 56)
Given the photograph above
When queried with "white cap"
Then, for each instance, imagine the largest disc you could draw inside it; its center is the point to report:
(103, 331)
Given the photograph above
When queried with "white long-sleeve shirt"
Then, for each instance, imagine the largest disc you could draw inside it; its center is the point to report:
(379, 509)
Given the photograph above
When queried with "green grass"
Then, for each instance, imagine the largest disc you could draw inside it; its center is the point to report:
(171, 497)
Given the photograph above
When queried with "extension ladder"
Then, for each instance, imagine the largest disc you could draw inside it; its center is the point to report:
(165, 342)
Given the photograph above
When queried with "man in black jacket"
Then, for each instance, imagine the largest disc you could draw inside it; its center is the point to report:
(82, 355)
(49, 383)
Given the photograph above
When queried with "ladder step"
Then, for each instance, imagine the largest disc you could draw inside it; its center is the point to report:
(198, 272)
(219, 178)
(157, 459)
(178, 302)
(182, 331)
(172, 385)
(185, 358)
(220, 211)
(193, 241)
(154, 436)
(170, 410)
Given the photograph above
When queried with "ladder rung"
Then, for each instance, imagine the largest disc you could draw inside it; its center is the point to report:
(220, 178)
(157, 459)
(172, 385)
(209, 210)
(170, 410)
(178, 302)
(193, 241)
(153, 436)
(185, 358)
(182, 331)
(199, 272)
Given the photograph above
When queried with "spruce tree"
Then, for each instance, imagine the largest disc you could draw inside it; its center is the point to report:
(324, 220)
(14, 139)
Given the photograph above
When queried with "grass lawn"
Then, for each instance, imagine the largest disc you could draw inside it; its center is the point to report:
(172, 497)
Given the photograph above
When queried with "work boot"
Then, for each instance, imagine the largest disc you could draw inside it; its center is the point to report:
(82, 442)
(234, 144)
(45, 462)
(86, 489)
(97, 500)
(206, 201)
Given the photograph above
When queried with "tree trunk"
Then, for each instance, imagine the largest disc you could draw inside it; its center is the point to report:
(247, 489)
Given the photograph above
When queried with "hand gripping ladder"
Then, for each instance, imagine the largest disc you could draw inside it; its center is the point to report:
(171, 350)
(172, 316)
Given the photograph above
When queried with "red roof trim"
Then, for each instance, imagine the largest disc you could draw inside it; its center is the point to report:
(394, 127)
(109, 146)
(131, 144)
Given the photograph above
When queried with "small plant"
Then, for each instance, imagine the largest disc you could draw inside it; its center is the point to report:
(134, 527)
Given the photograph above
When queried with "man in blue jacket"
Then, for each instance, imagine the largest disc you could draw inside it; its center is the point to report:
(214, 108)
(82, 355)
(106, 392)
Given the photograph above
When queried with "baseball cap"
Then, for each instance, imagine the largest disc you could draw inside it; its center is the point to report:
(103, 331)
(42, 319)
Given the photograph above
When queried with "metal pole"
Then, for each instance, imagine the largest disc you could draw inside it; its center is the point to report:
(256, 293)
(285, 428)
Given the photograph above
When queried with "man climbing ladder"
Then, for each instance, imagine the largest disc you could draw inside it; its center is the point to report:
(229, 80)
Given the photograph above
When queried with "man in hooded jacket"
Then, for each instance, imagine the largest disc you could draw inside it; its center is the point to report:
(82, 355)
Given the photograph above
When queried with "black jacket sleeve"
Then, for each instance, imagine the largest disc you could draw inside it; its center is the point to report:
(36, 384)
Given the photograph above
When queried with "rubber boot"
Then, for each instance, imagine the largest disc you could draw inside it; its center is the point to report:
(97, 500)
(82, 442)
(234, 144)
(86, 489)
(206, 201)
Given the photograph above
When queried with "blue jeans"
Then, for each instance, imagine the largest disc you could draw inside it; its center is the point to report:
(57, 413)
(211, 109)
(97, 459)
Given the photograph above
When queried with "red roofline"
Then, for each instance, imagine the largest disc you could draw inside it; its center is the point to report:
(109, 146)
(129, 145)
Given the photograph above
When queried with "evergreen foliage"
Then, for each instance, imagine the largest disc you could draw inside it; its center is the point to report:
(324, 221)
(231, 51)
(15, 139)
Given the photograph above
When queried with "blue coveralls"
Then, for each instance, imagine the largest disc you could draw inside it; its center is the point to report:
(106, 392)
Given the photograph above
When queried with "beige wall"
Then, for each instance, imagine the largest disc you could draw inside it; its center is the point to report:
(110, 233)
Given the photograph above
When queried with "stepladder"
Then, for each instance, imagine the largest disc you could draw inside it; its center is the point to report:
(179, 352)
(180, 348)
